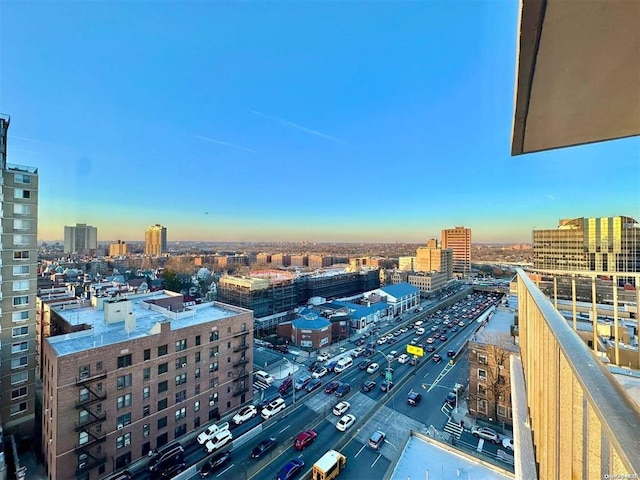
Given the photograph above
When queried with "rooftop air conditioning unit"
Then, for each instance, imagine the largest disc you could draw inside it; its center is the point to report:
(120, 426)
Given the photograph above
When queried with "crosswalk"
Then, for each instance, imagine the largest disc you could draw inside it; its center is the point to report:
(446, 409)
(258, 385)
(453, 429)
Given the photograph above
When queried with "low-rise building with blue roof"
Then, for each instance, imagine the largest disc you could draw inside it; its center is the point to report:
(400, 297)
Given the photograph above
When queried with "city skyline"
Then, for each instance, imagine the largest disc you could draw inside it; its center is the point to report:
(322, 122)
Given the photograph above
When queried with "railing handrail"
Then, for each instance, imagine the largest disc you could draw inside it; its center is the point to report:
(618, 413)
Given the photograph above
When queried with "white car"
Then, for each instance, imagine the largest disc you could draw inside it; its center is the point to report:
(486, 433)
(345, 422)
(373, 368)
(323, 357)
(244, 414)
(320, 372)
(341, 408)
(219, 440)
(274, 407)
(210, 432)
(382, 341)
(508, 443)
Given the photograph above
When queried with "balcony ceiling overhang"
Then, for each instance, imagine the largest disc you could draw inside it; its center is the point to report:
(578, 73)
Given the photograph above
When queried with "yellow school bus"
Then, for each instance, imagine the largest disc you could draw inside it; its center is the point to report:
(329, 465)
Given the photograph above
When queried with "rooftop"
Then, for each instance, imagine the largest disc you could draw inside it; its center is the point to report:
(147, 320)
(425, 458)
(400, 289)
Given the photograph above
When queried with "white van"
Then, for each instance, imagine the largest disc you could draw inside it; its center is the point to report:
(343, 364)
(418, 324)
(264, 377)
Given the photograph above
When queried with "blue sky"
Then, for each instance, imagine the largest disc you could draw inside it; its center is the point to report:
(317, 121)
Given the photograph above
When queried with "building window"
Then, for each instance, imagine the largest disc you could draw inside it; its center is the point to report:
(213, 398)
(196, 423)
(21, 254)
(84, 371)
(147, 354)
(163, 386)
(196, 406)
(181, 345)
(123, 441)
(214, 336)
(482, 374)
(146, 411)
(19, 331)
(99, 366)
(19, 392)
(196, 389)
(21, 224)
(162, 423)
(19, 362)
(124, 401)
(181, 396)
(19, 377)
(146, 373)
(179, 431)
(83, 438)
(123, 381)
(213, 352)
(482, 406)
(181, 362)
(19, 347)
(163, 368)
(482, 390)
(196, 374)
(197, 357)
(20, 285)
(502, 411)
(162, 404)
(20, 316)
(18, 408)
(197, 340)
(21, 178)
(21, 239)
(213, 367)
(146, 430)
(181, 379)
(124, 361)
(20, 301)
(21, 270)
(163, 350)
(21, 193)
(21, 209)
(181, 413)
(482, 358)
(124, 420)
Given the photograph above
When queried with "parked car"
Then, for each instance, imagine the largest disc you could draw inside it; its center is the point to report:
(210, 432)
(215, 463)
(244, 414)
(345, 422)
(313, 365)
(377, 439)
(507, 443)
(171, 471)
(341, 408)
(291, 469)
(281, 348)
(305, 439)
(343, 389)
(331, 366)
(313, 384)
(368, 386)
(273, 408)
(323, 357)
(286, 384)
(358, 351)
(485, 433)
(414, 398)
(263, 447)
(218, 441)
(267, 400)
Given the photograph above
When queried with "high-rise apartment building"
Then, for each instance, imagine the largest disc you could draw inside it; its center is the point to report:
(18, 249)
(118, 249)
(80, 238)
(606, 244)
(125, 375)
(434, 259)
(155, 240)
(458, 239)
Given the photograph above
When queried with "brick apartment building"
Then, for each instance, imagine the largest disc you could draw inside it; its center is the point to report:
(127, 375)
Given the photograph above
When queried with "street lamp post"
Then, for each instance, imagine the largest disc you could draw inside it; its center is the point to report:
(293, 378)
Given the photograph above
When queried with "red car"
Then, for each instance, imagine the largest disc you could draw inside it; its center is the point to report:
(331, 387)
(305, 439)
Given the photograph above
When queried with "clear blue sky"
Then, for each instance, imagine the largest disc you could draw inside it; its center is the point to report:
(316, 120)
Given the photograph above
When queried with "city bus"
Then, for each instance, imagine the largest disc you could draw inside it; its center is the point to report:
(329, 465)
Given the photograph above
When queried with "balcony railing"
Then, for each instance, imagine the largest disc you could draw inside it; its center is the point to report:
(93, 440)
(241, 348)
(90, 463)
(84, 379)
(92, 420)
(584, 424)
(240, 363)
(90, 399)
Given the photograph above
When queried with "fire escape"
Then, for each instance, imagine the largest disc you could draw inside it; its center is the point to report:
(240, 379)
(91, 424)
